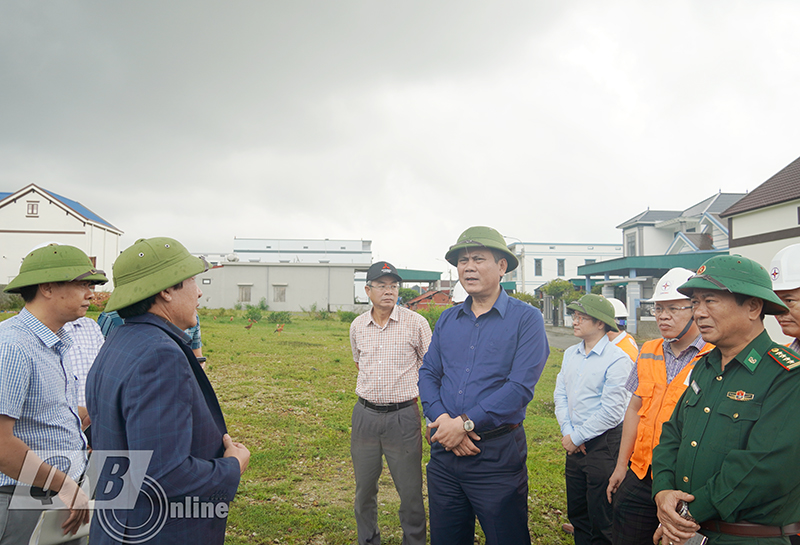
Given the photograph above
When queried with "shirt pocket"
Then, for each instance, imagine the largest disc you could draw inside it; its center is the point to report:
(645, 393)
(734, 421)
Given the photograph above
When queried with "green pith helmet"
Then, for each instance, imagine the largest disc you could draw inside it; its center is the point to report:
(596, 306)
(55, 263)
(481, 237)
(149, 266)
(736, 274)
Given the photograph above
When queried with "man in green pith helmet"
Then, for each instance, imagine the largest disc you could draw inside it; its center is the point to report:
(724, 466)
(590, 400)
(475, 383)
(147, 392)
(39, 392)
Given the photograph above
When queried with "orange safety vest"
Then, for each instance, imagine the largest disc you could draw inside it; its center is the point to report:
(627, 344)
(658, 399)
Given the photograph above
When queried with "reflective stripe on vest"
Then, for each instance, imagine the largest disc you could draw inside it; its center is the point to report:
(658, 400)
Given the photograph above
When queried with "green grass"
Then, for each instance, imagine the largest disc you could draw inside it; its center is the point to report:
(288, 397)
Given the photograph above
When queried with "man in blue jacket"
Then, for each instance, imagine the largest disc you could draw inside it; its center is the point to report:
(147, 392)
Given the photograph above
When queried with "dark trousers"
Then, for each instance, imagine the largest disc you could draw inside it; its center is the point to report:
(635, 513)
(492, 485)
(397, 436)
(587, 479)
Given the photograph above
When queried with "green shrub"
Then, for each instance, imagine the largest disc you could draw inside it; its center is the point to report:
(316, 313)
(527, 298)
(280, 317)
(253, 313)
(262, 304)
(346, 316)
(237, 306)
(432, 313)
(10, 301)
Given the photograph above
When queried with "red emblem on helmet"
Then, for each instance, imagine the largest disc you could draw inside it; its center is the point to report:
(701, 270)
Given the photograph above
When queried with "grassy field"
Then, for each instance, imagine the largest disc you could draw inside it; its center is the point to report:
(289, 398)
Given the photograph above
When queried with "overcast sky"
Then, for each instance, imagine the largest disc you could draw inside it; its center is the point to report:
(398, 122)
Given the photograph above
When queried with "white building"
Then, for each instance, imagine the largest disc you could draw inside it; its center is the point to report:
(766, 221)
(268, 250)
(540, 262)
(699, 228)
(34, 216)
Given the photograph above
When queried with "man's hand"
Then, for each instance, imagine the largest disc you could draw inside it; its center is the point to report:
(77, 502)
(236, 450)
(658, 534)
(467, 447)
(675, 528)
(616, 479)
(449, 431)
(570, 447)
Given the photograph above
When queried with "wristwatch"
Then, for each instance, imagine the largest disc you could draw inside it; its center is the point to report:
(469, 425)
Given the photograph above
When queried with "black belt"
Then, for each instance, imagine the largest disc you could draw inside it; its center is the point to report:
(748, 529)
(387, 408)
(35, 491)
(497, 432)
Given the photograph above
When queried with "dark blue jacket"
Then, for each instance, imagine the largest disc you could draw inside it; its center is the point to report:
(146, 391)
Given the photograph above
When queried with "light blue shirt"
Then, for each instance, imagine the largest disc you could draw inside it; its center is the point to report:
(590, 394)
(40, 392)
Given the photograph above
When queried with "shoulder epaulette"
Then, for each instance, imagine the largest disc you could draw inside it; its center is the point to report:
(786, 357)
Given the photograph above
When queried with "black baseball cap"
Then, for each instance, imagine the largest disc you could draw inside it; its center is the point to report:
(382, 268)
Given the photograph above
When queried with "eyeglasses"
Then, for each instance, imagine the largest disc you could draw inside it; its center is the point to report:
(578, 317)
(672, 311)
(384, 287)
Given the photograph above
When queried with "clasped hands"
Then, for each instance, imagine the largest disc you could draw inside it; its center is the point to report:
(451, 435)
(570, 447)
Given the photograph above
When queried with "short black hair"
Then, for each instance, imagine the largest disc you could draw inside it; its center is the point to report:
(28, 293)
(140, 307)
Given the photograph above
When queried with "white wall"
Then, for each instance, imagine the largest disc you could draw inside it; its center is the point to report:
(574, 255)
(758, 222)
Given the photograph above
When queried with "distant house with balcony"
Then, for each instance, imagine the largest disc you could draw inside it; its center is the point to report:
(657, 240)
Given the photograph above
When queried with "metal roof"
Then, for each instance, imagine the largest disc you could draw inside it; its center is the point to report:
(648, 265)
(414, 275)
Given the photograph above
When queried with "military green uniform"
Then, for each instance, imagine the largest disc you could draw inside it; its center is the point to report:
(733, 440)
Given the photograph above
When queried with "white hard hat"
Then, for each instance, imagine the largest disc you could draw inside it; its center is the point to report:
(785, 269)
(667, 287)
(619, 308)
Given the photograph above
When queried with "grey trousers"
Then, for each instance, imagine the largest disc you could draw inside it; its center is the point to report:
(16, 525)
(396, 435)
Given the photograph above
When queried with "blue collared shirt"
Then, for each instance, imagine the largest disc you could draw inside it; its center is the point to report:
(484, 367)
(40, 392)
(590, 394)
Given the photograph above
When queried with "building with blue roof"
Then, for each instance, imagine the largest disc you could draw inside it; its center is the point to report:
(34, 216)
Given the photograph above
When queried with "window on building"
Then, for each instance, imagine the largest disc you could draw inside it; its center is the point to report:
(278, 294)
(537, 267)
(33, 209)
(206, 281)
(588, 261)
(244, 294)
(630, 243)
(560, 267)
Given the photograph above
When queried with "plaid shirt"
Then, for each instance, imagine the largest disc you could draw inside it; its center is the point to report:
(673, 363)
(40, 392)
(389, 357)
(86, 342)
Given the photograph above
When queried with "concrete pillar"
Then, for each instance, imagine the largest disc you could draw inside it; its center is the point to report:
(608, 290)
